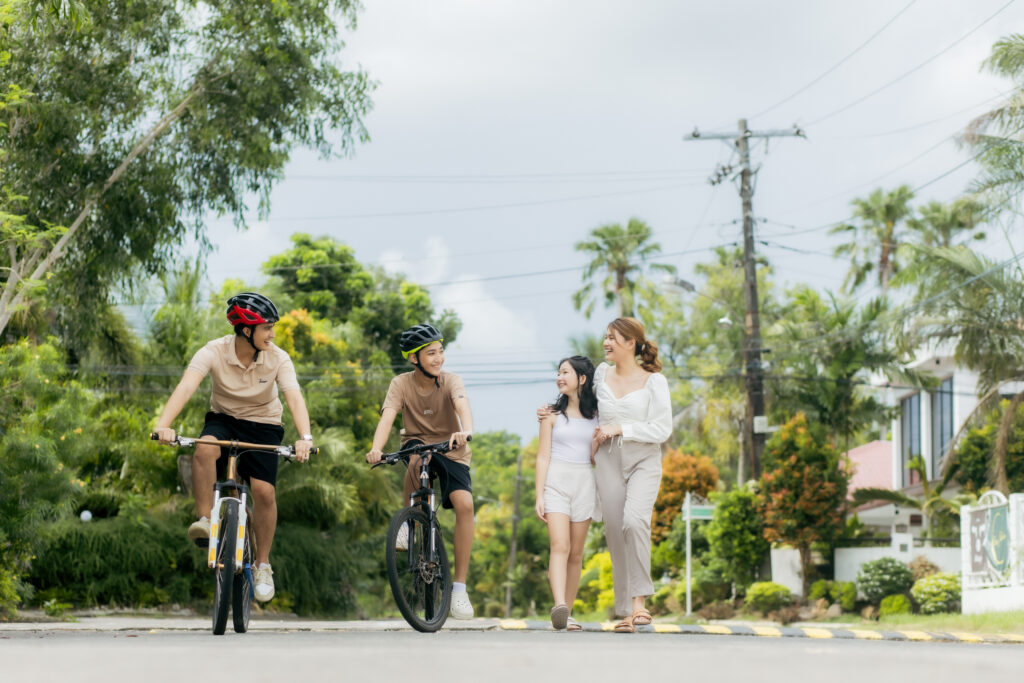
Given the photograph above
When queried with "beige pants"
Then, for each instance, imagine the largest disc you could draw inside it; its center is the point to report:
(628, 476)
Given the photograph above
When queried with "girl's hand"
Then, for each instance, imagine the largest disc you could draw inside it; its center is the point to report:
(605, 432)
(539, 509)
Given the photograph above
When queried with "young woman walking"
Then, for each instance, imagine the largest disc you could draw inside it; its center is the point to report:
(565, 481)
(636, 418)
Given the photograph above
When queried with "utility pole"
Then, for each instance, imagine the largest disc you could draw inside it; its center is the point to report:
(753, 371)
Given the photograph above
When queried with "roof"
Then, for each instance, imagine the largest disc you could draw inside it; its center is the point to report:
(870, 466)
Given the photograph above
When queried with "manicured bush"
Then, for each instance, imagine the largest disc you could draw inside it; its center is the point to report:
(720, 609)
(768, 596)
(842, 592)
(921, 567)
(937, 593)
(895, 604)
(882, 577)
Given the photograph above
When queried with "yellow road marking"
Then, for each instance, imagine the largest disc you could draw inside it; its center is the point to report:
(513, 624)
(608, 626)
(916, 635)
(768, 631)
(865, 634)
(666, 628)
(967, 637)
(817, 632)
(718, 630)
(1016, 637)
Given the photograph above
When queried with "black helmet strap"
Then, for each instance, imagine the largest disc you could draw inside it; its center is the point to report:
(419, 366)
(248, 338)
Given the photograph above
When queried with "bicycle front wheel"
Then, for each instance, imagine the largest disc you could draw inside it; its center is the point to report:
(224, 569)
(242, 593)
(419, 576)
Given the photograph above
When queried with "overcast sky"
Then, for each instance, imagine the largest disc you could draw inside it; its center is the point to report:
(503, 132)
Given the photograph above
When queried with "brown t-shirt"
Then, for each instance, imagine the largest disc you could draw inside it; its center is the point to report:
(247, 393)
(430, 416)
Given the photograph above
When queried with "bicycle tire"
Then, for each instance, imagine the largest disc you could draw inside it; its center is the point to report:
(421, 582)
(242, 592)
(224, 571)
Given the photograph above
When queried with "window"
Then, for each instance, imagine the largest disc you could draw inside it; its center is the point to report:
(910, 436)
(942, 422)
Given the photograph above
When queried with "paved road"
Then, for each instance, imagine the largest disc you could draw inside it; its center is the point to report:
(275, 652)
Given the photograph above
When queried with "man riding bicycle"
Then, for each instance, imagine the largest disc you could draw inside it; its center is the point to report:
(434, 408)
(247, 371)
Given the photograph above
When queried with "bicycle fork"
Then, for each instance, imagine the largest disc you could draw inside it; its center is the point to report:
(243, 516)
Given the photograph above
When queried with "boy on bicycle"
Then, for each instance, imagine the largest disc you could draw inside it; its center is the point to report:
(247, 371)
(434, 408)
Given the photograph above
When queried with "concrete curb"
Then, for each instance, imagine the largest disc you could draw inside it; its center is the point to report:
(156, 625)
(785, 632)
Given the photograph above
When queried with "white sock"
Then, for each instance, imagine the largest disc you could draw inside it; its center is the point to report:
(458, 587)
(263, 564)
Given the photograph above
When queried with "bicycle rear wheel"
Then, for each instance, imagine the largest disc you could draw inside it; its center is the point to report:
(419, 576)
(242, 593)
(224, 570)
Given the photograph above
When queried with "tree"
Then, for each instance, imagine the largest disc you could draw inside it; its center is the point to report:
(973, 454)
(153, 113)
(801, 495)
(995, 135)
(735, 535)
(937, 224)
(938, 510)
(680, 473)
(977, 305)
(875, 239)
(829, 348)
(619, 253)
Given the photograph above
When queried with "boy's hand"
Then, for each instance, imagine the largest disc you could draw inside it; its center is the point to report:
(302, 447)
(374, 456)
(543, 412)
(458, 440)
(165, 434)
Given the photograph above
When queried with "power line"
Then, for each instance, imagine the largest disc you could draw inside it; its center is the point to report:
(923, 124)
(502, 178)
(837, 64)
(911, 71)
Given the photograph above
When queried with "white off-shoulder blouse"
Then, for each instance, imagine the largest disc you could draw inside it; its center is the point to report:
(645, 414)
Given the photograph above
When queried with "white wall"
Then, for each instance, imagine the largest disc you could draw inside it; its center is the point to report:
(786, 569)
(848, 561)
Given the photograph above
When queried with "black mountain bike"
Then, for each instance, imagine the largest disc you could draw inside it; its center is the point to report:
(231, 547)
(419, 575)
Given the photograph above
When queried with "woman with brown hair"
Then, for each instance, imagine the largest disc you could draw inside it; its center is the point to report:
(635, 415)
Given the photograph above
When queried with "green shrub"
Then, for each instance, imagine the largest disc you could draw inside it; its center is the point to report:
(895, 604)
(842, 592)
(937, 593)
(882, 577)
(767, 596)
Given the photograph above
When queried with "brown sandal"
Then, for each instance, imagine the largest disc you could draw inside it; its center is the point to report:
(559, 616)
(641, 617)
(625, 626)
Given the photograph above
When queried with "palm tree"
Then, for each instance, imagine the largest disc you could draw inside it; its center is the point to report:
(995, 135)
(876, 237)
(619, 253)
(978, 305)
(934, 507)
(937, 224)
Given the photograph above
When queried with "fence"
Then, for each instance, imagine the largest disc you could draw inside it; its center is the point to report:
(992, 566)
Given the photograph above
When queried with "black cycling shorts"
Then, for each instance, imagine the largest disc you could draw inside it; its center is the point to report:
(260, 465)
(454, 476)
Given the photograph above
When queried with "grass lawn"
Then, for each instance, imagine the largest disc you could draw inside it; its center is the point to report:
(992, 622)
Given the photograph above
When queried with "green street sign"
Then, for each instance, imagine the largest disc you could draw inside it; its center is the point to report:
(700, 512)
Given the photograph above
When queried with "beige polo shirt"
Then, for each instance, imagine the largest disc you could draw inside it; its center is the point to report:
(429, 415)
(247, 393)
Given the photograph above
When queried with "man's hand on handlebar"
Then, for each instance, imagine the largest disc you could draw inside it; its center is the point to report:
(165, 435)
(458, 440)
(302, 448)
(374, 456)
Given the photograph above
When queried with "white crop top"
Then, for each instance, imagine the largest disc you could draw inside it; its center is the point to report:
(570, 439)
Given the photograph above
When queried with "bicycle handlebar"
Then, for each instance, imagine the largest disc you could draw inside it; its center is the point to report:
(403, 455)
(286, 452)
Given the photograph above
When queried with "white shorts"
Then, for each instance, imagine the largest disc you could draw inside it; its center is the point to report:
(569, 489)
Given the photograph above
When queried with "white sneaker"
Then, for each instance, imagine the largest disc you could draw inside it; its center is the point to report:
(402, 540)
(263, 578)
(199, 532)
(462, 608)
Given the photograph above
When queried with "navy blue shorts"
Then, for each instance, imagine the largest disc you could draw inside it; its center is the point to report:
(454, 476)
(251, 464)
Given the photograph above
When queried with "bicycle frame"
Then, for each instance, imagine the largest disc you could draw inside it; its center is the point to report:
(230, 482)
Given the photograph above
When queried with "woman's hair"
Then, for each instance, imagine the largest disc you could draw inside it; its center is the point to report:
(632, 329)
(584, 368)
